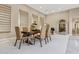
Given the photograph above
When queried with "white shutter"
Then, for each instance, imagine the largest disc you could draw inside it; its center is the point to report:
(23, 18)
(5, 18)
(41, 21)
(35, 18)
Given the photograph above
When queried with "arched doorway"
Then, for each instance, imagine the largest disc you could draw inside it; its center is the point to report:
(62, 25)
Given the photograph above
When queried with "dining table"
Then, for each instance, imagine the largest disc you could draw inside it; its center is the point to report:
(29, 33)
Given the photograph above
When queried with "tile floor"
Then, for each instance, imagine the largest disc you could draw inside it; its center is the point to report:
(56, 46)
(73, 45)
(60, 44)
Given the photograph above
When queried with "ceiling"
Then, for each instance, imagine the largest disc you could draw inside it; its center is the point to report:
(52, 8)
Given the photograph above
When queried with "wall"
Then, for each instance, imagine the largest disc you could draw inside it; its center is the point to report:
(53, 20)
(15, 18)
(73, 14)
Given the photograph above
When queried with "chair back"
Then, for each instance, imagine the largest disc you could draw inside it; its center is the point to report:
(25, 29)
(43, 29)
(47, 30)
(18, 33)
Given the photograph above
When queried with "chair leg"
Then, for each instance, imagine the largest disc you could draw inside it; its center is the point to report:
(20, 44)
(23, 41)
(34, 40)
(28, 41)
(15, 42)
(50, 38)
(40, 42)
(45, 40)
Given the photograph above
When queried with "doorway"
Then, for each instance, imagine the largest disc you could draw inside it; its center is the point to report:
(75, 24)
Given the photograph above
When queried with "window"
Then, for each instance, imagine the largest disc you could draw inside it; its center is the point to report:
(5, 18)
(23, 19)
(41, 21)
(35, 18)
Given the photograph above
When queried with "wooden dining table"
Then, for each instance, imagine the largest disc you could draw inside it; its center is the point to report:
(29, 33)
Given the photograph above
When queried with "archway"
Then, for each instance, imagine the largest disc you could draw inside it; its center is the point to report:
(62, 25)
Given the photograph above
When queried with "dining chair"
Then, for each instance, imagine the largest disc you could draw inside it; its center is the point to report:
(18, 36)
(47, 34)
(25, 29)
(43, 34)
(28, 35)
(38, 36)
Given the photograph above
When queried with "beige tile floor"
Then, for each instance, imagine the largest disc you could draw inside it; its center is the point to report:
(60, 44)
(73, 45)
(56, 46)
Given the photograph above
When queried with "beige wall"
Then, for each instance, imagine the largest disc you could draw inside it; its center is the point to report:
(73, 14)
(53, 19)
(15, 18)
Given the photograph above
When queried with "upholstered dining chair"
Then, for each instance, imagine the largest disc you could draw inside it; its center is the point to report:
(25, 29)
(43, 34)
(29, 35)
(38, 36)
(18, 36)
(47, 34)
